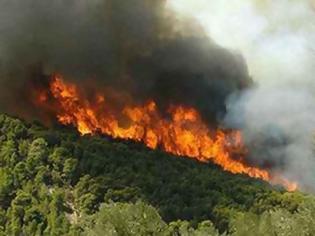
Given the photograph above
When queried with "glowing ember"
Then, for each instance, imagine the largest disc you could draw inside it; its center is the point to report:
(183, 133)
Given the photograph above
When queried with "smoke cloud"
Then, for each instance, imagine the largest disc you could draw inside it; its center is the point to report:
(163, 50)
(139, 47)
(277, 115)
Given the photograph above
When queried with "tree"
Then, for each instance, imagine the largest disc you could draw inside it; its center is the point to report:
(127, 219)
(276, 222)
(8, 153)
(37, 154)
(57, 222)
(6, 187)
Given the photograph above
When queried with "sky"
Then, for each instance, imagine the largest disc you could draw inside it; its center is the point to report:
(275, 37)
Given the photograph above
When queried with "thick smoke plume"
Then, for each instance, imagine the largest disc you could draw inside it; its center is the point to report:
(135, 46)
(277, 115)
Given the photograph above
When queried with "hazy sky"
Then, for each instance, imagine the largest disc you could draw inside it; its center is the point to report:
(274, 36)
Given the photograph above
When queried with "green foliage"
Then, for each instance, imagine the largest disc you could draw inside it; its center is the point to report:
(8, 154)
(277, 222)
(127, 219)
(89, 193)
(287, 200)
(37, 154)
(54, 182)
(127, 194)
(183, 228)
(6, 187)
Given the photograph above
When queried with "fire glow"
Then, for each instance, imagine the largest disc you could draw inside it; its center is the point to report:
(182, 132)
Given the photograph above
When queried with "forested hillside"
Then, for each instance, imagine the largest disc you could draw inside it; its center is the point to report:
(55, 182)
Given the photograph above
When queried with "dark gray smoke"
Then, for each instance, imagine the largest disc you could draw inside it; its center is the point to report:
(135, 46)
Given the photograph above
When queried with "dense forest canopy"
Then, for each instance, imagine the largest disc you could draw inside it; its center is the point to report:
(56, 182)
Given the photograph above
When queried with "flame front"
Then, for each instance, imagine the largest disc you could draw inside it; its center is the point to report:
(182, 133)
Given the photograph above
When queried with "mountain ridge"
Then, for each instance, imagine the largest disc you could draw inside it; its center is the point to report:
(55, 182)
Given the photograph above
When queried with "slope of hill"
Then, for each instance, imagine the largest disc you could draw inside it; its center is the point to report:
(55, 182)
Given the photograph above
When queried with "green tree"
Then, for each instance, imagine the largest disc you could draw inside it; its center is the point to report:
(127, 219)
(37, 155)
(6, 187)
(8, 153)
(57, 222)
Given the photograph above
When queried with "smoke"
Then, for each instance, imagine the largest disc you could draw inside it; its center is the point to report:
(163, 50)
(139, 47)
(278, 125)
(277, 115)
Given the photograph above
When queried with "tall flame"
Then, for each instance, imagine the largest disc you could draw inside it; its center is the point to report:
(182, 133)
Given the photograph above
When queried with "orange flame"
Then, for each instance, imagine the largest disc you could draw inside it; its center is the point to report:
(183, 133)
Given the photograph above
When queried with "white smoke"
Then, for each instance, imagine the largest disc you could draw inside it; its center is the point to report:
(276, 38)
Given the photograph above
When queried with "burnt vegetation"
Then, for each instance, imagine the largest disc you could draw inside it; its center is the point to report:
(56, 182)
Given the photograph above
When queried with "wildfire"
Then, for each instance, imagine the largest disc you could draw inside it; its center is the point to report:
(182, 132)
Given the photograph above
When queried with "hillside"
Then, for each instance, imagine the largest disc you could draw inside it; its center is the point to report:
(56, 182)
